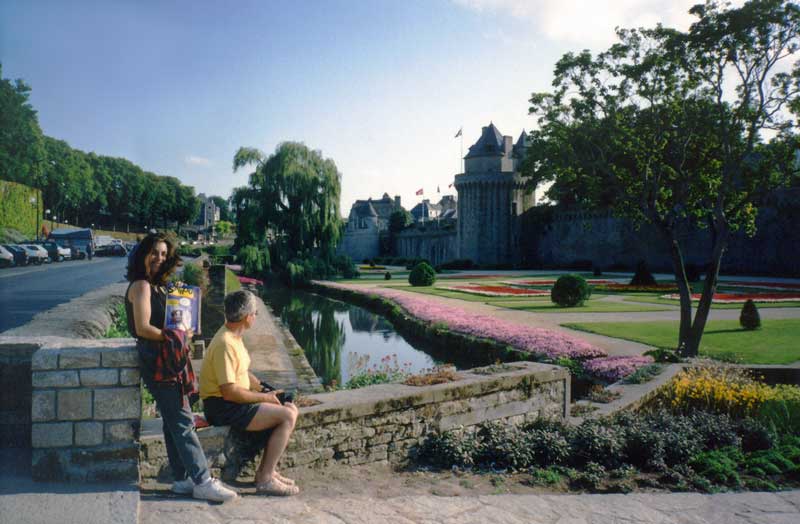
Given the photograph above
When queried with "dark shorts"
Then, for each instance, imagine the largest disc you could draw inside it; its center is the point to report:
(220, 412)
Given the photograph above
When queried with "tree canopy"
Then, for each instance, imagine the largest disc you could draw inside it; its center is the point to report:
(293, 196)
(681, 130)
(83, 187)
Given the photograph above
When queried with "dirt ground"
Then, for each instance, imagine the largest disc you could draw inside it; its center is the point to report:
(382, 481)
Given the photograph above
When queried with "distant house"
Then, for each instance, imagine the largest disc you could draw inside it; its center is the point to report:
(367, 220)
(203, 225)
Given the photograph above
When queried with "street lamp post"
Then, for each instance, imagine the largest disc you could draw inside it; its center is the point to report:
(35, 203)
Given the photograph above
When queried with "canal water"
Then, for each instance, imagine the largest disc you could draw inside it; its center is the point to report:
(341, 339)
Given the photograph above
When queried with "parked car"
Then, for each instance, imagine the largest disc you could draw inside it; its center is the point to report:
(56, 252)
(6, 257)
(111, 250)
(36, 254)
(20, 254)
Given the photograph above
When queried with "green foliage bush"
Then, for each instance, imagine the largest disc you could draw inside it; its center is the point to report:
(749, 318)
(387, 276)
(16, 211)
(570, 291)
(343, 265)
(642, 276)
(119, 324)
(193, 275)
(422, 275)
(644, 374)
(255, 262)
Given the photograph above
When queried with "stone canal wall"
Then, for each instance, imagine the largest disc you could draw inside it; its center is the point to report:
(383, 423)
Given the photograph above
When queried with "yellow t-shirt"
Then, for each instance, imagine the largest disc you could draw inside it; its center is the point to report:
(226, 362)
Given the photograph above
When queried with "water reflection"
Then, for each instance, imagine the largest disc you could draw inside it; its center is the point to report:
(338, 338)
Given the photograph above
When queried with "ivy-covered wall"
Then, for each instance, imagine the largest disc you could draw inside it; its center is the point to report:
(16, 210)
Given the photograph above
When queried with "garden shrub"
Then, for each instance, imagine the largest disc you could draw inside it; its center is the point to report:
(446, 450)
(644, 374)
(548, 447)
(343, 265)
(755, 435)
(570, 291)
(387, 276)
(502, 447)
(596, 441)
(719, 466)
(749, 317)
(664, 355)
(422, 275)
(715, 430)
(591, 477)
(193, 275)
(642, 276)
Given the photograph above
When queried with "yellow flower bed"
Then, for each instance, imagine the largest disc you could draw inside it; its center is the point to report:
(724, 389)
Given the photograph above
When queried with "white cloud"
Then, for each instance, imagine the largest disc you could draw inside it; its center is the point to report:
(192, 160)
(588, 23)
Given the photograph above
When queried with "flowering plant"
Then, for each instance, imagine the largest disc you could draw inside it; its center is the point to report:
(740, 298)
(545, 343)
(612, 369)
(496, 291)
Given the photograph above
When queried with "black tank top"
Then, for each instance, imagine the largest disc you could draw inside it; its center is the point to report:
(158, 304)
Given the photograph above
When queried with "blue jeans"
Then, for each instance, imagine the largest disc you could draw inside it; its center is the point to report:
(186, 456)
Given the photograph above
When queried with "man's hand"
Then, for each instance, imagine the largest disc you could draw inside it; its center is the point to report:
(272, 397)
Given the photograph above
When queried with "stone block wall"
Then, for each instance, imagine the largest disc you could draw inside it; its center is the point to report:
(15, 390)
(86, 411)
(383, 423)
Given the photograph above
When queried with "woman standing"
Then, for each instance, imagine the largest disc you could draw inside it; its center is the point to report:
(149, 269)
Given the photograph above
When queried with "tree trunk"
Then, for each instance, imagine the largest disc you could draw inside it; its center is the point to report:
(684, 292)
(709, 288)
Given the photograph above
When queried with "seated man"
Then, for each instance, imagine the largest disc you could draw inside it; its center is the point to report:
(232, 395)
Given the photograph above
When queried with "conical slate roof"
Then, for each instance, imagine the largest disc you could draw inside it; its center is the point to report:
(521, 145)
(489, 144)
(364, 209)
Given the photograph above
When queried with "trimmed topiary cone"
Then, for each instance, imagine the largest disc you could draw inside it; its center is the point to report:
(643, 276)
(749, 318)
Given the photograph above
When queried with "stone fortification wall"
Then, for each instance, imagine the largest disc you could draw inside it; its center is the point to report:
(436, 244)
(601, 240)
(383, 423)
(86, 409)
(360, 244)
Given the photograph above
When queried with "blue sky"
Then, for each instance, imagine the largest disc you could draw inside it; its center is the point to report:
(381, 87)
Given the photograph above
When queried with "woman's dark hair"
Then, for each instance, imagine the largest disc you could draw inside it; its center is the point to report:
(138, 268)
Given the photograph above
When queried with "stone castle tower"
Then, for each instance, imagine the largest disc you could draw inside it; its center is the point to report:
(491, 197)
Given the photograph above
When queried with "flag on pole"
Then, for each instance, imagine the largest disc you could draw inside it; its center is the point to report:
(419, 192)
(459, 132)
(449, 185)
(437, 189)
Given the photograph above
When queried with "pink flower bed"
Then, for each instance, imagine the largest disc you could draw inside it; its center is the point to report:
(248, 280)
(496, 291)
(542, 342)
(612, 369)
(740, 298)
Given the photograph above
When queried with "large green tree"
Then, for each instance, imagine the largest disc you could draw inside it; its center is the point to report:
(21, 147)
(681, 130)
(297, 192)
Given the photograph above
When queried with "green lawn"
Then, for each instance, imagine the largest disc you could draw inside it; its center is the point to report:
(591, 306)
(231, 282)
(775, 343)
(654, 299)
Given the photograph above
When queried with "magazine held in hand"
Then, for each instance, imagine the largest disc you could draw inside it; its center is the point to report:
(183, 308)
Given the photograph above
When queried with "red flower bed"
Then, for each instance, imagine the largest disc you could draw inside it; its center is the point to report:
(497, 291)
(550, 282)
(628, 287)
(739, 298)
(768, 285)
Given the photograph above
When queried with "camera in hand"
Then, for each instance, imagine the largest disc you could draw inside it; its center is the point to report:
(285, 396)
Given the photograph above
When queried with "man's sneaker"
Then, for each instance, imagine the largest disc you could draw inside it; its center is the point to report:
(213, 490)
(183, 487)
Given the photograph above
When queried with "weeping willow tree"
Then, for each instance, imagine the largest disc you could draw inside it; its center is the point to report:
(295, 193)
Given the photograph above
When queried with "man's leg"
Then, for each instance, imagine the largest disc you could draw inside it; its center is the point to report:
(281, 420)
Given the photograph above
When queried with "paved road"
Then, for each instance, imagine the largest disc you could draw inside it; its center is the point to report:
(26, 291)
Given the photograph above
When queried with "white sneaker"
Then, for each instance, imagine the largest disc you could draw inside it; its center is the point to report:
(213, 490)
(183, 487)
